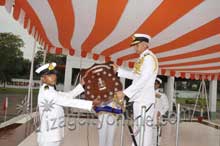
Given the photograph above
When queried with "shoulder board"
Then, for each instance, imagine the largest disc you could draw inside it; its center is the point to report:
(46, 87)
(154, 58)
(146, 54)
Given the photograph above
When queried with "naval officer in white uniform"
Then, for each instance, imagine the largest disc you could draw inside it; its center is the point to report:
(162, 104)
(141, 91)
(109, 114)
(51, 103)
(161, 107)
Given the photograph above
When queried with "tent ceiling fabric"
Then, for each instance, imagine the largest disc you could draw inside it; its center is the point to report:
(185, 34)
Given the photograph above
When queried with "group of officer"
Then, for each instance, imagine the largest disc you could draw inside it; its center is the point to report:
(144, 91)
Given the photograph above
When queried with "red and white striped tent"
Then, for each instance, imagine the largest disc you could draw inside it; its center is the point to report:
(185, 33)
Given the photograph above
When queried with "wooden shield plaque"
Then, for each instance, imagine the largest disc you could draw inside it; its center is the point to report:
(100, 82)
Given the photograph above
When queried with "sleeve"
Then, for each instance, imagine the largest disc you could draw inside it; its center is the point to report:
(75, 103)
(164, 104)
(66, 99)
(125, 73)
(146, 73)
(73, 93)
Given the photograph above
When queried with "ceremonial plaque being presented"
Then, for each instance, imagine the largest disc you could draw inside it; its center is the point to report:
(100, 82)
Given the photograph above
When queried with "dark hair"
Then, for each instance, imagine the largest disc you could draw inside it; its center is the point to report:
(157, 82)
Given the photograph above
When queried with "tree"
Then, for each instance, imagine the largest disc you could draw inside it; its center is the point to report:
(11, 57)
(25, 71)
(59, 59)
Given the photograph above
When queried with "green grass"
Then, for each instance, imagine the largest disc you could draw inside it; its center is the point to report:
(16, 91)
(193, 100)
(218, 104)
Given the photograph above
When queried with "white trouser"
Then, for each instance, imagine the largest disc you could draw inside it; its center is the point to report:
(106, 129)
(50, 143)
(148, 133)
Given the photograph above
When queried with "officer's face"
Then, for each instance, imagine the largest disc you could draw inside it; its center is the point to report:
(156, 85)
(50, 79)
(141, 47)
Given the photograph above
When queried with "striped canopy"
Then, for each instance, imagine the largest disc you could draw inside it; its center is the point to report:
(185, 33)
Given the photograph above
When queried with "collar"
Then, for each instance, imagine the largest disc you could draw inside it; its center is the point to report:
(145, 52)
(157, 90)
(49, 87)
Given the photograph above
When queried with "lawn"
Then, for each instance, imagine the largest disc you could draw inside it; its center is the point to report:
(15, 98)
(193, 100)
(16, 91)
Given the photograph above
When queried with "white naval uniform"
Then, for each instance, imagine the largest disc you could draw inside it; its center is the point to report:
(50, 103)
(142, 91)
(107, 126)
(162, 106)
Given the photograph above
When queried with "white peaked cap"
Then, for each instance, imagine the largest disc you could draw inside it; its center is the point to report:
(159, 80)
(48, 66)
(139, 37)
(142, 35)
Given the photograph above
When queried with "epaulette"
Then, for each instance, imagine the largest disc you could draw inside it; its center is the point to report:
(46, 87)
(155, 60)
(146, 54)
(139, 63)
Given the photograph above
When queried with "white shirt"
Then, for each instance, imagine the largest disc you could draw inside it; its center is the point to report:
(162, 104)
(142, 87)
(51, 111)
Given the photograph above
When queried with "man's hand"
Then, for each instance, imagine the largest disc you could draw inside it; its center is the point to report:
(120, 95)
(158, 117)
(82, 82)
(115, 67)
(96, 102)
(158, 114)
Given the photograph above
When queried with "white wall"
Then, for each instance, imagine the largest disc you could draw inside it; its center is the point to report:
(21, 83)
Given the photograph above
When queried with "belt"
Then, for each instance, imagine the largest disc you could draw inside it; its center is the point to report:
(108, 109)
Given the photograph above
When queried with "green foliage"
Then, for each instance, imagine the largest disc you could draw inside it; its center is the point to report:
(187, 85)
(201, 101)
(16, 91)
(190, 101)
(11, 57)
(59, 59)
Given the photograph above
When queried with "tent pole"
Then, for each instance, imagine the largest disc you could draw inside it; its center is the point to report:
(199, 94)
(30, 88)
(206, 98)
(177, 124)
(202, 94)
(45, 56)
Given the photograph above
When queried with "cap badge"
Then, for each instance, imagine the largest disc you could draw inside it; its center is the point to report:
(46, 87)
(50, 67)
